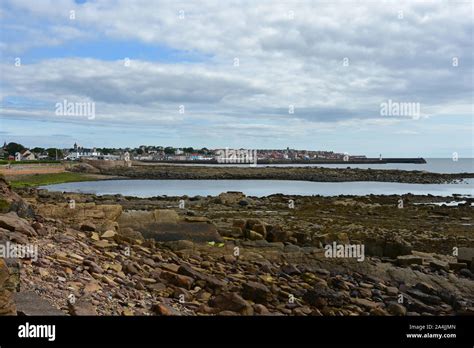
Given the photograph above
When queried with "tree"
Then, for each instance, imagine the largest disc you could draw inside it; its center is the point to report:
(169, 150)
(53, 151)
(37, 150)
(13, 148)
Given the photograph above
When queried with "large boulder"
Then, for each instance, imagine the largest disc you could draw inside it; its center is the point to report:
(165, 225)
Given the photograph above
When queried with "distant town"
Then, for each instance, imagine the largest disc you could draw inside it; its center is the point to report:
(17, 152)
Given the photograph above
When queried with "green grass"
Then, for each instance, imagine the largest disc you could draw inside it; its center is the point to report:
(48, 179)
(28, 162)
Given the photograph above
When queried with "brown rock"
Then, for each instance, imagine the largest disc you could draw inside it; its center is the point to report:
(163, 308)
(82, 306)
(396, 309)
(256, 292)
(231, 301)
(12, 222)
(277, 234)
(177, 279)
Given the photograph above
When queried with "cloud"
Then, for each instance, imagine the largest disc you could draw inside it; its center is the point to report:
(335, 63)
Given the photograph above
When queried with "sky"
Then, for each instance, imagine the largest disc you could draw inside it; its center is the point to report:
(363, 77)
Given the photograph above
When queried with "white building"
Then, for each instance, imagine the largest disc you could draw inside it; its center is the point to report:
(25, 155)
(80, 152)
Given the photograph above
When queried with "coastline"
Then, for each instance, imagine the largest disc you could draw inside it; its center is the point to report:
(148, 171)
(281, 252)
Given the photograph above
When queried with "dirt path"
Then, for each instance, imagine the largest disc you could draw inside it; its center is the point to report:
(27, 169)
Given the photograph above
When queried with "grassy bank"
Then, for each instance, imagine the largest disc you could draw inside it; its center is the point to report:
(49, 179)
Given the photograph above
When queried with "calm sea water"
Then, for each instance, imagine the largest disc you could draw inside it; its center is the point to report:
(259, 188)
(434, 165)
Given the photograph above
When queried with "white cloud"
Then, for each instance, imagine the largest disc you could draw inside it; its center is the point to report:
(283, 61)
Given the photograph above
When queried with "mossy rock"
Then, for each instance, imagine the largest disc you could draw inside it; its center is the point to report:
(4, 206)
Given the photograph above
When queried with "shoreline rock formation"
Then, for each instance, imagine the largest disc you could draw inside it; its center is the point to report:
(102, 257)
(320, 174)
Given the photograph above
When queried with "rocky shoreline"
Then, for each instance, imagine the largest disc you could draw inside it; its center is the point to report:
(151, 171)
(235, 255)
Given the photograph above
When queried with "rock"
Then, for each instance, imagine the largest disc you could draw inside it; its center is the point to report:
(233, 302)
(243, 203)
(229, 258)
(239, 223)
(392, 246)
(430, 299)
(466, 255)
(303, 238)
(396, 309)
(368, 304)
(260, 229)
(84, 168)
(131, 233)
(30, 303)
(256, 292)
(82, 306)
(177, 279)
(7, 304)
(165, 225)
(391, 290)
(466, 273)
(196, 219)
(92, 287)
(457, 266)
(88, 227)
(180, 245)
(252, 235)
(230, 197)
(100, 216)
(108, 234)
(290, 269)
(439, 265)
(277, 234)
(164, 309)
(260, 309)
(377, 311)
(329, 238)
(165, 216)
(94, 267)
(322, 296)
(102, 244)
(114, 266)
(13, 222)
(425, 287)
(39, 228)
(11, 202)
(211, 281)
(130, 267)
(409, 260)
